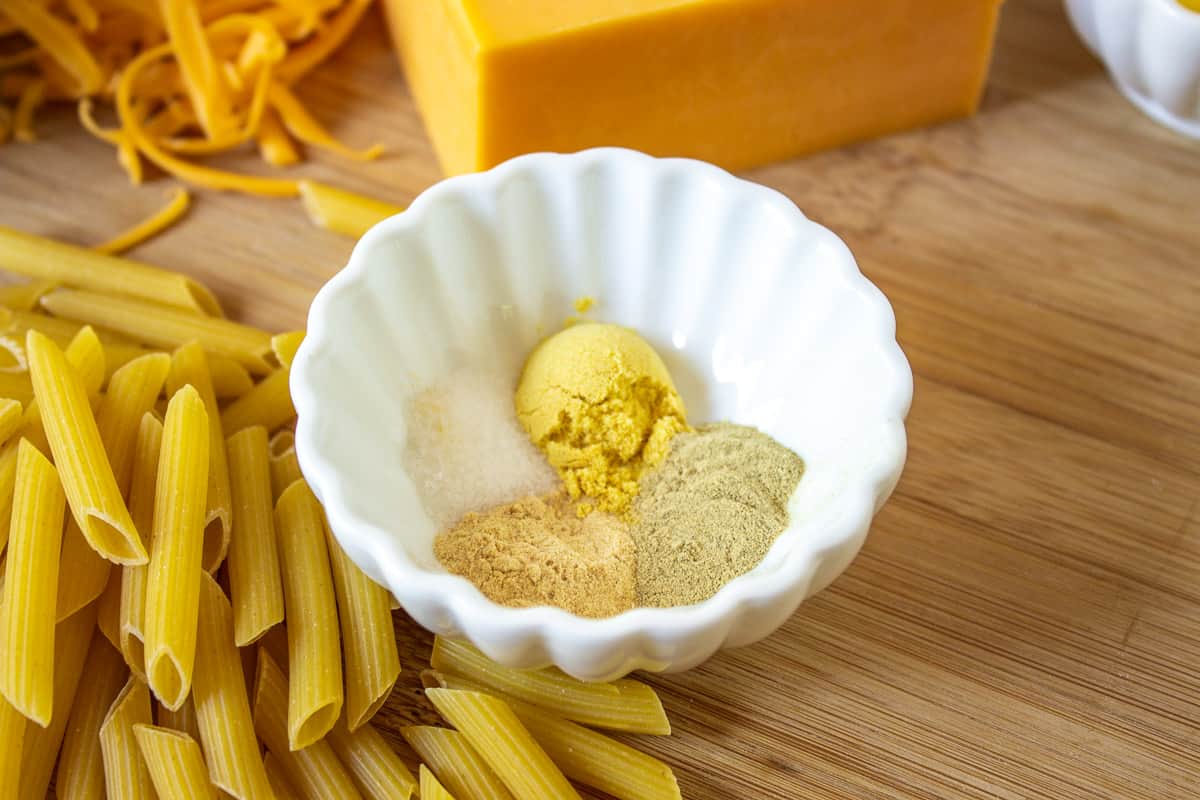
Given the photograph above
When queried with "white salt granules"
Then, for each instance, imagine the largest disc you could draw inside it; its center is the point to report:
(466, 451)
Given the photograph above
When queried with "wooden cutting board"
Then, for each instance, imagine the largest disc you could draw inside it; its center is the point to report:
(1024, 621)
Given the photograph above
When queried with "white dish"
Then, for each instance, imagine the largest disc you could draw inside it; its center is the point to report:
(1152, 50)
(762, 316)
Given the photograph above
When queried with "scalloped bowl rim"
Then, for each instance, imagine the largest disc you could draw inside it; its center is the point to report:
(375, 550)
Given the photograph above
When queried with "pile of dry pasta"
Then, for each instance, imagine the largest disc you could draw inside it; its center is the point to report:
(176, 617)
(187, 78)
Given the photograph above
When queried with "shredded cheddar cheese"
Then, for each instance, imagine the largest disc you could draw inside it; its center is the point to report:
(151, 226)
(186, 78)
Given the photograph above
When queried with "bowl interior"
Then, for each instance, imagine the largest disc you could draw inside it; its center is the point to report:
(761, 315)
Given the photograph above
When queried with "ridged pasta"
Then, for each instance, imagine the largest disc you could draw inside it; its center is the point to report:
(377, 769)
(456, 764)
(132, 627)
(268, 404)
(80, 774)
(175, 764)
(125, 773)
(255, 583)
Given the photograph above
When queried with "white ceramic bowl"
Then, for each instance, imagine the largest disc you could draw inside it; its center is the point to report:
(762, 316)
(1152, 50)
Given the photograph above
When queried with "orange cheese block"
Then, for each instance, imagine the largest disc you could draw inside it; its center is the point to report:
(735, 82)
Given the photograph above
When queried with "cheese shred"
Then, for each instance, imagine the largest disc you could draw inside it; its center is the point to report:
(156, 223)
(186, 78)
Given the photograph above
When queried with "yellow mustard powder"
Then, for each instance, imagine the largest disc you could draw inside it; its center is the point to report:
(601, 405)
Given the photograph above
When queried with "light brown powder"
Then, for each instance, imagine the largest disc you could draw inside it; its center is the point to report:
(710, 512)
(538, 551)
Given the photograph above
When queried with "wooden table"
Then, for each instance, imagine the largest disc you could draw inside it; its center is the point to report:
(1024, 621)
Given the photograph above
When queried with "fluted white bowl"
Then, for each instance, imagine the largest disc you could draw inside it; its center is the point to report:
(1152, 51)
(762, 316)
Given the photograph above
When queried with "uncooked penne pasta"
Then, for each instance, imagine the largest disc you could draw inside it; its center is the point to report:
(314, 770)
(125, 773)
(72, 638)
(377, 769)
(163, 326)
(108, 611)
(280, 783)
(80, 774)
(372, 662)
(83, 467)
(38, 257)
(430, 788)
(222, 707)
(11, 415)
(12, 741)
(85, 353)
(173, 579)
(30, 587)
(268, 404)
(494, 732)
(182, 719)
(24, 296)
(229, 378)
(285, 467)
(143, 484)
(8, 475)
(285, 345)
(189, 366)
(132, 391)
(456, 764)
(625, 705)
(12, 356)
(175, 763)
(82, 572)
(255, 583)
(343, 212)
(314, 655)
(599, 761)
(60, 330)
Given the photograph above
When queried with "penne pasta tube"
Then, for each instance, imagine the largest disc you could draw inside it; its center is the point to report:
(125, 773)
(8, 476)
(12, 743)
(456, 764)
(314, 655)
(173, 578)
(372, 662)
(85, 352)
(280, 784)
(190, 366)
(38, 257)
(108, 611)
(229, 378)
(72, 638)
(599, 761)
(80, 772)
(182, 719)
(268, 404)
(343, 212)
(625, 705)
(25, 296)
(62, 331)
(222, 707)
(314, 770)
(163, 326)
(83, 467)
(494, 731)
(11, 416)
(143, 484)
(175, 764)
(255, 583)
(82, 573)
(430, 788)
(132, 391)
(377, 769)
(285, 469)
(30, 586)
(285, 345)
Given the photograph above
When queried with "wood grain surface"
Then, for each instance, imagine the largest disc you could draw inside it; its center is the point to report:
(1024, 621)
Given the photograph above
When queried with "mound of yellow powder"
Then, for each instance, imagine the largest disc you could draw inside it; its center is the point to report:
(600, 403)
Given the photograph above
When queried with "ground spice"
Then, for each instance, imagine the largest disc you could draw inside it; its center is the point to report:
(710, 512)
(538, 551)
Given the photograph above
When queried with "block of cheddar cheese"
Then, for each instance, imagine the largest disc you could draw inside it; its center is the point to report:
(735, 82)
